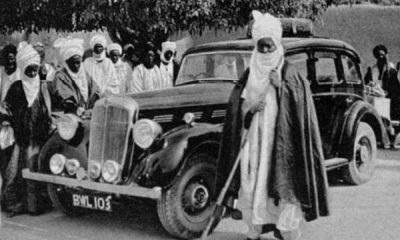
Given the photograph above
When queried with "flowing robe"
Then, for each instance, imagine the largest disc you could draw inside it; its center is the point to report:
(103, 73)
(5, 154)
(145, 79)
(297, 169)
(67, 97)
(124, 74)
(31, 130)
(254, 202)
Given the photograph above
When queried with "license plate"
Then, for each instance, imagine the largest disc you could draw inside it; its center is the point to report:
(92, 202)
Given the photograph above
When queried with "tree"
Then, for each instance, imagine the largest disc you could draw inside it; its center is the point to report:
(140, 21)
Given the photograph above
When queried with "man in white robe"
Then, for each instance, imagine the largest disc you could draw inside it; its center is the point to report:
(168, 67)
(147, 75)
(123, 69)
(261, 98)
(100, 68)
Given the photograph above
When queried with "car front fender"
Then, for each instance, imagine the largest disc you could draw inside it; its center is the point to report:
(360, 111)
(56, 145)
(164, 164)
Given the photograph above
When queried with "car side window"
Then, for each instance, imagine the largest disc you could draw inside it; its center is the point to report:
(326, 68)
(299, 60)
(350, 70)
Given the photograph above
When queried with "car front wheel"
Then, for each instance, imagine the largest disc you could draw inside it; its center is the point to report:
(362, 166)
(185, 208)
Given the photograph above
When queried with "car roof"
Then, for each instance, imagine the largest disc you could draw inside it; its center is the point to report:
(288, 44)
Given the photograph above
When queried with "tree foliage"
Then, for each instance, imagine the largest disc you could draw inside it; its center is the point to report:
(146, 20)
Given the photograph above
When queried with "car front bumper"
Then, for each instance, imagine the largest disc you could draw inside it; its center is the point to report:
(129, 190)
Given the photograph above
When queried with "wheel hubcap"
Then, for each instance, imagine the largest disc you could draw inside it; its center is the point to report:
(198, 196)
(363, 152)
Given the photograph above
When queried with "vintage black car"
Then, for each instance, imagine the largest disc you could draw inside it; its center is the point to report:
(163, 144)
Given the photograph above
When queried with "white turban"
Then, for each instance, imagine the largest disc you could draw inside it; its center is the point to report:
(167, 46)
(71, 47)
(114, 46)
(26, 56)
(266, 25)
(98, 39)
(261, 64)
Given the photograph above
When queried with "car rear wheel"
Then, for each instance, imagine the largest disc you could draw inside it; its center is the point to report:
(362, 166)
(62, 200)
(185, 208)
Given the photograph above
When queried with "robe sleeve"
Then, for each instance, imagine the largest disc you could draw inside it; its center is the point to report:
(128, 80)
(160, 81)
(136, 85)
(94, 92)
(113, 82)
(63, 94)
(11, 102)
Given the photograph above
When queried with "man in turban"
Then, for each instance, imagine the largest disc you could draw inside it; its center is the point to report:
(282, 175)
(168, 66)
(46, 71)
(9, 73)
(72, 89)
(100, 68)
(130, 56)
(124, 71)
(383, 74)
(147, 75)
(26, 107)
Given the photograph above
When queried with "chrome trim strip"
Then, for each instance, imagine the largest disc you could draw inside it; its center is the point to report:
(130, 190)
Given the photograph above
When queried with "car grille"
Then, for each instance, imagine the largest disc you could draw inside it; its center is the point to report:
(109, 129)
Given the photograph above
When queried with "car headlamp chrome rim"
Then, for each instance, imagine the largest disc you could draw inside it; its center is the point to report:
(57, 163)
(67, 126)
(145, 131)
(94, 169)
(110, 171)
(72, 166)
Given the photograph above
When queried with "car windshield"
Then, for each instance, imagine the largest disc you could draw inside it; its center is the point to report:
(221, 65)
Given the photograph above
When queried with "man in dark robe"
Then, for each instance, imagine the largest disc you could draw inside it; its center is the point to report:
(72, 89)
(384, 74)
(26, 109)
(297, 170)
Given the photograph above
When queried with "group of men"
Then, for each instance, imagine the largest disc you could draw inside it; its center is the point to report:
(111, 67)
(30, 89)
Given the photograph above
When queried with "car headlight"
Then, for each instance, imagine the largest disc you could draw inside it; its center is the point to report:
(110, 171)
(94, 169)
(145, 131)
(67, 126)
(57, 163)
(72, 166)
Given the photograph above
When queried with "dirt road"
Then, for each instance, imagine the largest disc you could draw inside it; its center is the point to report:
(367, 212)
